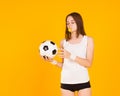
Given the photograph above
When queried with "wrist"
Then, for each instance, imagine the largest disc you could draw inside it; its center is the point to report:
(54, 62)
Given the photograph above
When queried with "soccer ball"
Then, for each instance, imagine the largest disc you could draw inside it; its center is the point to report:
(48, 48)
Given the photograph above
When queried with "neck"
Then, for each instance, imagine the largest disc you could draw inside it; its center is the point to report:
(73, 35)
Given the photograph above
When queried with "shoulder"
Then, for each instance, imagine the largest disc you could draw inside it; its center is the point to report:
(62, 42)
(90, 40)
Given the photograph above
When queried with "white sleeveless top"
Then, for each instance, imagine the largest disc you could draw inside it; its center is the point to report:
(72, 72)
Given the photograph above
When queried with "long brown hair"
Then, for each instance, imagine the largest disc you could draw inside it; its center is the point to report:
(80, 28)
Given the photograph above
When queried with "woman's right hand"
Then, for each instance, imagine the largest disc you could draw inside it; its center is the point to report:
(48, 59)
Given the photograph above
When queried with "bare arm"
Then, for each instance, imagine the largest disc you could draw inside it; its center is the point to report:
(88, 60)
(54, 62)
(60, 64)
(90, 51)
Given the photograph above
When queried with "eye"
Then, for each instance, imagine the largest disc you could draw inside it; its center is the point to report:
(67, 23)
(72, 22)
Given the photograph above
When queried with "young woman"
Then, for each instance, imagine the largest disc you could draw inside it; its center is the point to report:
(77, 55)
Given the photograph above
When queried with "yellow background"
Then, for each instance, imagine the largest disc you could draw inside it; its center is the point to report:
(26, 23)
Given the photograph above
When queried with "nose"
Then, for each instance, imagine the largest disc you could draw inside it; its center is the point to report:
(70, 25)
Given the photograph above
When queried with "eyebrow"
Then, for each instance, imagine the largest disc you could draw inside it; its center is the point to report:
(71, 20)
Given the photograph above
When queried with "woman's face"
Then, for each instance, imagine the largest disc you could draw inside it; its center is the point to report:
(71, 24)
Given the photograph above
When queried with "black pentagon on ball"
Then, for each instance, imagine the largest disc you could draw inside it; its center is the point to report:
(54, 51)
(52, 42)
(45, 48)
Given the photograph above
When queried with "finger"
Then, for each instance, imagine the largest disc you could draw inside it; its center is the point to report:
(43, 57)
(61, 49)
(50, 59)
(46, 58)
(61, 55)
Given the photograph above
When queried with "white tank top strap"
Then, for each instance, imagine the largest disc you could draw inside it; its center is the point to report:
(64, 43)
(85, 40)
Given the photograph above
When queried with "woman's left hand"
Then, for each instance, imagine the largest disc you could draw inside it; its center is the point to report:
(64, 53)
